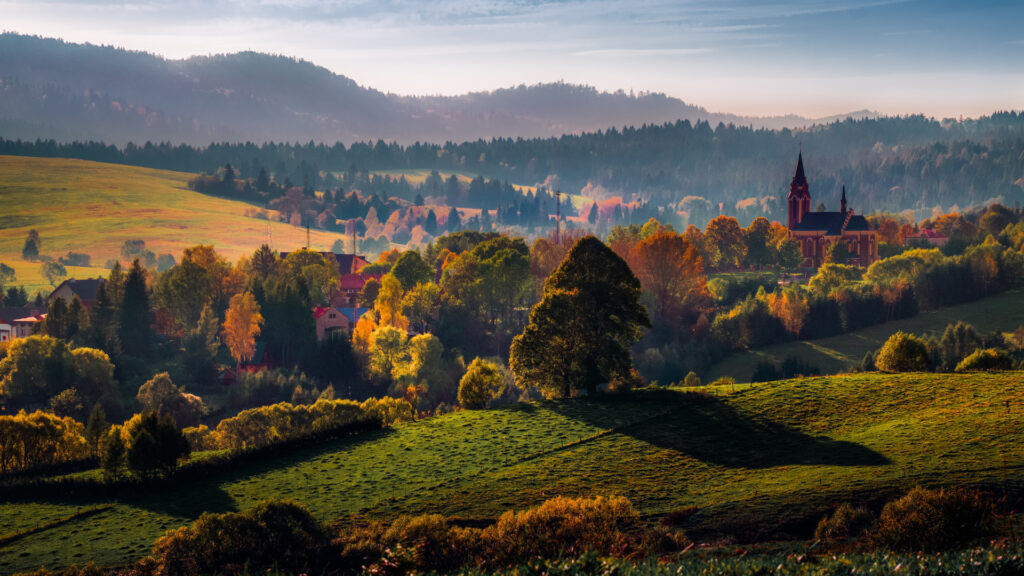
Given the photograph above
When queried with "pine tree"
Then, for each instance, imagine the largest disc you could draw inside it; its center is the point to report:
(57, 319)
(113, 458)
(96, 428)
(136, 317)
(454, 223)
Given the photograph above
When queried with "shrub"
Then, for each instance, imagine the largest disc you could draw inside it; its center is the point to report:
(846, 522)
(793, 367)
(271, 535)
(561, 527)
(988, 359)
(903, 353)
(724, 381)
(691, 379)
(482, 383)
(933, 520)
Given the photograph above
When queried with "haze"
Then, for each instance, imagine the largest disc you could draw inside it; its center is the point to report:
(807, 57)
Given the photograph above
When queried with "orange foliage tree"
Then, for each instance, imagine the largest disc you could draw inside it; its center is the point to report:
(241, 326)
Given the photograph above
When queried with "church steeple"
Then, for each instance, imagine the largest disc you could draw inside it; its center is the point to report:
(799, 194)
(842, 201)
(798, 178)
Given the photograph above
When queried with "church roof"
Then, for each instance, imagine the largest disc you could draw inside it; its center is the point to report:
(831, 223)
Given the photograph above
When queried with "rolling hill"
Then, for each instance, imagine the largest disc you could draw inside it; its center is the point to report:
(53, 89)
(843, 353)
(760, 462)
(93, 208)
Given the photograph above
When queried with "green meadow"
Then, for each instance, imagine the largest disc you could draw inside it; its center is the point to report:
(93, 208)
(842, 353)
(760, 461)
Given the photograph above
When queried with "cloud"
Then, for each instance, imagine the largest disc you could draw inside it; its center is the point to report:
(644, 52)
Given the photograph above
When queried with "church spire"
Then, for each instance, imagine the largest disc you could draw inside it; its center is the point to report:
(842, 201)
(798, 178)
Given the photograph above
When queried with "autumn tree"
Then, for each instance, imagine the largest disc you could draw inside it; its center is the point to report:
(670, 269)
(903, 353)
(388, 349)
(726, 236)
(242, 324)
(579, 334)
(388, 305)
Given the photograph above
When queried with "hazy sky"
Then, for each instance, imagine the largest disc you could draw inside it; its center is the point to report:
(810, 57)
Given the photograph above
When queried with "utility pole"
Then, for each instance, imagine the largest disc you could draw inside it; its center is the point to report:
(307, 235)
(558, 217)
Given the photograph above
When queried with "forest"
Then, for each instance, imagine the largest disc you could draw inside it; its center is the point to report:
(686, 172)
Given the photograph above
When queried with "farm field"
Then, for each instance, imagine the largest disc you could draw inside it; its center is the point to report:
(761, 461)
(93, 208)
(836, 354)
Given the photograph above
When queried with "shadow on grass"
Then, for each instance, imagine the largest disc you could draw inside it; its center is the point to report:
(188, 495)
(710, 430)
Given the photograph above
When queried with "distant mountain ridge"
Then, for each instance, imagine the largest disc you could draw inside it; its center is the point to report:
(54, 89)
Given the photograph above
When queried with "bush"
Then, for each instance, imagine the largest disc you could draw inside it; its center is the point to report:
(561, 527)
(482, 383)
(793, 367)
(271, 535)
(846, 522)
(903, 353)
(691, 379)
(934, 520)
(988, 359)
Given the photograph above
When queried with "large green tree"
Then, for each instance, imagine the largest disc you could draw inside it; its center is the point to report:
(578, 336)
(410, 269)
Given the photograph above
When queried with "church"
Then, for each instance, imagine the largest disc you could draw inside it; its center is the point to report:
(816, 231)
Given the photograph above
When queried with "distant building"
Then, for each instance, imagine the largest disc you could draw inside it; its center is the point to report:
(332, 319)
(347, 263)
(87, 290)
(930, 237)
(816, 231)
(17, 322)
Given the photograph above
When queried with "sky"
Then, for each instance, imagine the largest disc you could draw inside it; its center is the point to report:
(751, 57)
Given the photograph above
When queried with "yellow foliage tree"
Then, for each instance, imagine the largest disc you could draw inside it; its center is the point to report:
(241, 326)
(389, 303)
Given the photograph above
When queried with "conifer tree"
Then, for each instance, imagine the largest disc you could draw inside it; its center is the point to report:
(136, 316)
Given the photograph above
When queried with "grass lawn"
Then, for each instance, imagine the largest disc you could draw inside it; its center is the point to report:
(836, 354)
(93, 208)
(758, 460)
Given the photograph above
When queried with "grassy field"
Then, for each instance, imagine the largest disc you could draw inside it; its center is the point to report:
(1004, 312)
(762, 460)
(92, 208)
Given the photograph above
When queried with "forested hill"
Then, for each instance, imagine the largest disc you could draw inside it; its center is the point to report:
(886, 163)
(53, 89)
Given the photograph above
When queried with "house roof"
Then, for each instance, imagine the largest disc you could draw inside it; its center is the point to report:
(831, 223)
(10, 314)
(347, 263)
(926, 233)
(346, 312)
(352, 282)
(85, 289)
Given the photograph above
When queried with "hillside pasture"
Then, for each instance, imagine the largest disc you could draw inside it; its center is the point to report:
(763, 461)
(842, 353)
(93, 208)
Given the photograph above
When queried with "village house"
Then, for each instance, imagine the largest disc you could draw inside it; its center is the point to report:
(816, 231)
(347, 263)
(925, 237)
(333, 319)
(87, 290)
(17, 322)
